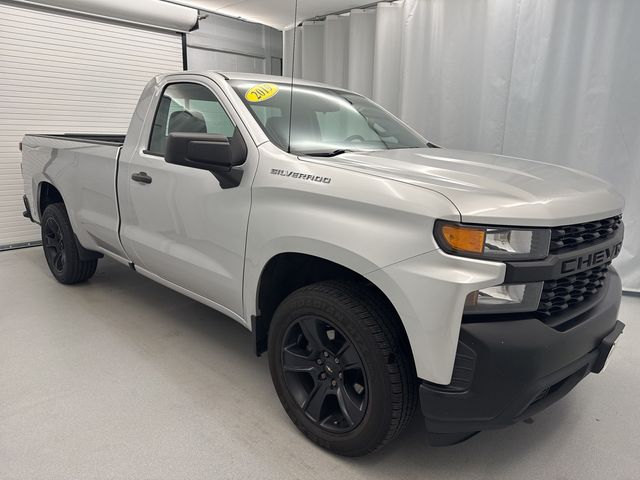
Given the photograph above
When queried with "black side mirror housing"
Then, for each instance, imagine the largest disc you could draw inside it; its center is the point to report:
(209, 151)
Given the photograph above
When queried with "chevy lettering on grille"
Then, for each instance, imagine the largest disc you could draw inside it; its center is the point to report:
(592, 259)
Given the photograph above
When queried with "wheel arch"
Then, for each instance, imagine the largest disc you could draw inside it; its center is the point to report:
(286, 272)
(48, 193)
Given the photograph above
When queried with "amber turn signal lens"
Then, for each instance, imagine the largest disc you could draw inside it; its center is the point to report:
(464, 239)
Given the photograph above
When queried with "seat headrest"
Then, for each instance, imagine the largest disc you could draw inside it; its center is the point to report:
(187, 121)
(278, 127)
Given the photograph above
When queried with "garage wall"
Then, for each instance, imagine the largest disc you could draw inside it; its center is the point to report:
(556, 81)
(67, 73)
(232, 45)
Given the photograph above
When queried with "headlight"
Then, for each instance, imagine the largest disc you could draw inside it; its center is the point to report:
(505, 298)
(493, 243)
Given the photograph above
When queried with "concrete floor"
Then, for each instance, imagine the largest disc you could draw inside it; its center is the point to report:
(123, 378)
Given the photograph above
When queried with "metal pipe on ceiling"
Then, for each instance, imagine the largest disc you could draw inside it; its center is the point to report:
(149, 13)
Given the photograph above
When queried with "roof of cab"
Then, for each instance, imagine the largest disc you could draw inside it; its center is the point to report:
(262, 78)
(251, 77)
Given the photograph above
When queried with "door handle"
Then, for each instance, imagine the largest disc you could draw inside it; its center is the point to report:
(141, 177)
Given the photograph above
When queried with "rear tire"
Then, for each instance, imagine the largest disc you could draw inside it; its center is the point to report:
(60, 249)
(363, 400)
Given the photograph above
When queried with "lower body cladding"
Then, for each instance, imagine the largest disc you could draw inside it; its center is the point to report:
(507, 370)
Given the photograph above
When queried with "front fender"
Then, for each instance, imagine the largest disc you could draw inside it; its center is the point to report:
(428, 292)
(362, 222)
(291, 244)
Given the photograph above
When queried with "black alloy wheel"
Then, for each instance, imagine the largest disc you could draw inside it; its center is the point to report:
(60, 248)
(325, 374)
(342, 367)
(53, 240)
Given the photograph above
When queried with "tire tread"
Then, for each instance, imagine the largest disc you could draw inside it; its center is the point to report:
(77, 270)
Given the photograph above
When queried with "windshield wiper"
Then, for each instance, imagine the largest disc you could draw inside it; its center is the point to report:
(340, 151)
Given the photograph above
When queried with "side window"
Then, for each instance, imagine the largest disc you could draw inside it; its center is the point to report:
(187, 107)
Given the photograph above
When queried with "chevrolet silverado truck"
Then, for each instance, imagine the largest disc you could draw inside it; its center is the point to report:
(377, 270)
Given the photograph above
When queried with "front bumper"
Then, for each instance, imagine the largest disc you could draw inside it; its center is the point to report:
(506, 371)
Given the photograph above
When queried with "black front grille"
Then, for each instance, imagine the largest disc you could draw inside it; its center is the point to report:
(579, 234)
(558, 295)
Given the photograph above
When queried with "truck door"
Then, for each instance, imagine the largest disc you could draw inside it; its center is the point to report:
(177, 222)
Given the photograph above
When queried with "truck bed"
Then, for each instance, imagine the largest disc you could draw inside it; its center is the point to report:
(99, 138)
(83, 168)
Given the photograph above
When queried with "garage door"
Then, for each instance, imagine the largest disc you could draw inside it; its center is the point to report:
(64, 73)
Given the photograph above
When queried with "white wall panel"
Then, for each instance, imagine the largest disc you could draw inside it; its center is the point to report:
(232, 45)
(292, 53)
(205, 59)
(66, 73)
(336, 50)
(313, 51)
(387, 60)
(362, 29)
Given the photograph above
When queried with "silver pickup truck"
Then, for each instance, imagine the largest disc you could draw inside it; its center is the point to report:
(378, 270)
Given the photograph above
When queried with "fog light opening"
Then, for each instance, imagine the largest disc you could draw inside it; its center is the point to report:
(504, 298)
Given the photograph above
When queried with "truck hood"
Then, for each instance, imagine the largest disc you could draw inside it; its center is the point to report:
(488, 188)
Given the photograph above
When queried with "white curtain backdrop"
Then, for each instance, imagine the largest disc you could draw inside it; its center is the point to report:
(553, 80)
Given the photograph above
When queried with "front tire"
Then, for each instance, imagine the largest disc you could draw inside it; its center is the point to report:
(342, 366)
(60, 249)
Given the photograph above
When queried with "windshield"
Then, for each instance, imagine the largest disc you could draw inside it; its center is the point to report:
(324, 121)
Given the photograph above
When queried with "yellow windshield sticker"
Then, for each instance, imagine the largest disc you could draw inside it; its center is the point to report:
(261, 92)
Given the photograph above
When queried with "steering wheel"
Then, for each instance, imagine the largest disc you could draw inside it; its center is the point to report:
(352, 138)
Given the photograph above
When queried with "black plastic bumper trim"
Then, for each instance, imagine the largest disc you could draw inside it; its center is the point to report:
(522, 366)
(84, 254)
(27, 211)
(606, 346)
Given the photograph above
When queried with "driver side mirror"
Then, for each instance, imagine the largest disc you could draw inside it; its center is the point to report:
(209, 151)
